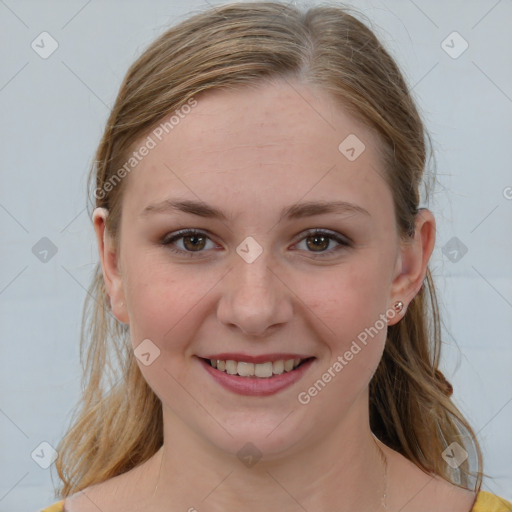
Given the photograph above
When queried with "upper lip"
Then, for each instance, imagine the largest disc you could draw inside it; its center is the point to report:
(263, 358)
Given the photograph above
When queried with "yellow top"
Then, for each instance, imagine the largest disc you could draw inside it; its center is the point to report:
(485, 502)
(56, 507)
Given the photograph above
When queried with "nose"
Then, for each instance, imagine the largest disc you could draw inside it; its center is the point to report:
(254, 297)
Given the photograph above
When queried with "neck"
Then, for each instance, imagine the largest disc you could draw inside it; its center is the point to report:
(345, 470)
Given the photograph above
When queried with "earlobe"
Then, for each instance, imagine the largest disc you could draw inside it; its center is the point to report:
(110, 265)
(414, 257)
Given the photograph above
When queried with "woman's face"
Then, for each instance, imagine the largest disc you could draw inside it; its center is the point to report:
(255, 284)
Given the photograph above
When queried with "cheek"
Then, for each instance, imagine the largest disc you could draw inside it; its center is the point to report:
(156, 298)
(354, 343)
(165, 300)
(161, 308)
(348, 298)
(348, 305)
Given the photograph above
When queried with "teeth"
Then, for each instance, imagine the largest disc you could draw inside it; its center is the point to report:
(262, 370)
(278, 367)
(231, 367)
(246, 369)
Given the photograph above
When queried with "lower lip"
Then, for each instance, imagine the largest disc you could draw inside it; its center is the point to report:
(256, 386)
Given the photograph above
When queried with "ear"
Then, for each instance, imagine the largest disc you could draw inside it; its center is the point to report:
(412, 262)
(110, 265)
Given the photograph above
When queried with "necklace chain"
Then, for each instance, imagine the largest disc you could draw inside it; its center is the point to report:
(383, 500)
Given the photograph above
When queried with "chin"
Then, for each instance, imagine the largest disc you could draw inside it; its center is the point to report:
(267, 437)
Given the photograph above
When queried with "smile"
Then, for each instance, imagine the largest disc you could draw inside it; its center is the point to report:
(262, 370)
(256, 378)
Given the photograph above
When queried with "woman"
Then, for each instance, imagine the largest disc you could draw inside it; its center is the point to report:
(264, 283)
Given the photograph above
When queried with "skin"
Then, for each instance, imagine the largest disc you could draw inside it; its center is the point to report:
(250, 153)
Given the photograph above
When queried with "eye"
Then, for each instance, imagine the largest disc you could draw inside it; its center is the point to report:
(193, 241)
(318, 241)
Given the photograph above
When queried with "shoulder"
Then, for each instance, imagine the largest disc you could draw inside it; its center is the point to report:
(56, 507)
(415, 490)
(487, 502)
(115, 494)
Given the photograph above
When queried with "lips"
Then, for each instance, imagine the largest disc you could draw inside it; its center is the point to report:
(254, 375)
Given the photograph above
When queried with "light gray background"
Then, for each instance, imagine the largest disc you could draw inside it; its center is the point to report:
(53, 112)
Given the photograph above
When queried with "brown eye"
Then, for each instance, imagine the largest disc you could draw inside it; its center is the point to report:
(317, 242)
(320, 241)
(193, 241)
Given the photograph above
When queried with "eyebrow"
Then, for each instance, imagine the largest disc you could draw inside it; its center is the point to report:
(295, 211)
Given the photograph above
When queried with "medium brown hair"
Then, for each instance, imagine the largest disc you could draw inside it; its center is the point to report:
(118, 423)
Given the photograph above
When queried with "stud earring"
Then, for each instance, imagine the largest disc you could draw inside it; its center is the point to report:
(398, 306)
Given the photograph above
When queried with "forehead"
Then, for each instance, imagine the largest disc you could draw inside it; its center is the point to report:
(260, 146)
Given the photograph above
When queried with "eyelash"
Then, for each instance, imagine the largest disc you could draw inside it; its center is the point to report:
(344, 242)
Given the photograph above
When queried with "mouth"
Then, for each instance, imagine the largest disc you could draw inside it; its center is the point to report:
(260, 378)
(264, 370)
